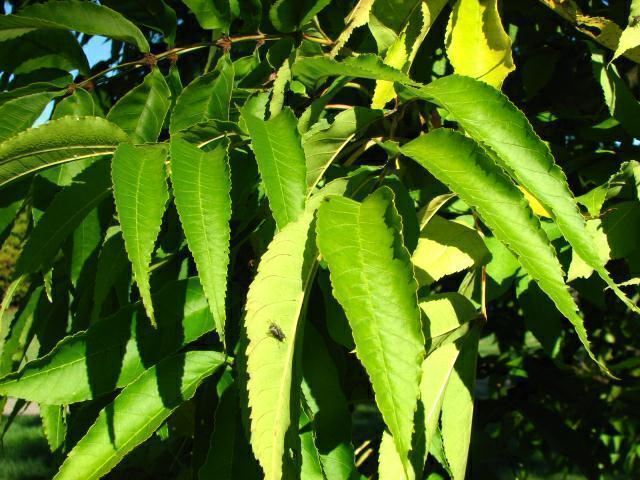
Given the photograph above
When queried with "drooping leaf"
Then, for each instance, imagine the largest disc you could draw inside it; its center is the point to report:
(211, 14)
(461, 164)
(66, 212)
(323, 142)
(446, 247)
(115, 350)
(457, 407)
(477, 44)
(19, 114)
(274, 315)
(290, 15)
(86, 17)
(57, 142)
(489, 117)
(201, 186)
(137, 412)
(281, 162)
(206, 98)
(141, 112)
(372, 278)
(140, 193)
(365, 66)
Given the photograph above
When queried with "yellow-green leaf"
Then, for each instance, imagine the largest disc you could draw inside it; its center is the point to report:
(477, 44)
(274, 311)
(446, 247)
(373, 280)
(402, 52)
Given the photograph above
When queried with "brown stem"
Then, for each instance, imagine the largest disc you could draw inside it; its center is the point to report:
(171, 54)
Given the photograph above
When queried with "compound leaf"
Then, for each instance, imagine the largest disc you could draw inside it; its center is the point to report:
(490, 118)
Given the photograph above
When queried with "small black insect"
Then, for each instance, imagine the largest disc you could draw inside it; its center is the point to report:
(276, 332)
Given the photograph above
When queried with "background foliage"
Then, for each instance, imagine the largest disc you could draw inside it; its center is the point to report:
(256, 314)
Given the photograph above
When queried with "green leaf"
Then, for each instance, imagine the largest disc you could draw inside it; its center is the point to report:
(115, 350)
(211, 14)
(42, 49)
(85, 241)
(141, 112)
(621, 226)
(323, 142)
(290, 15)
(630, 38)
(85, 17)
(311, 468)
(137, 412)
(65, 213)
(11, 201)
(462, 165)
(446, 247)
(79, 104)
(365, 66)
(357, 18)
(19, 114)
(112, 264)
(13, 339)
(274, 315)
(442, 315)
(208, 97)
(490, 118)
(140, 192)
(281, 161)
(59, 141)
(373, 280)
(155, 14)
(477, 44)
(457, 407)
(201, 186)
(327, 408)
(54, 426)
(413, 26)
(620, 100)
